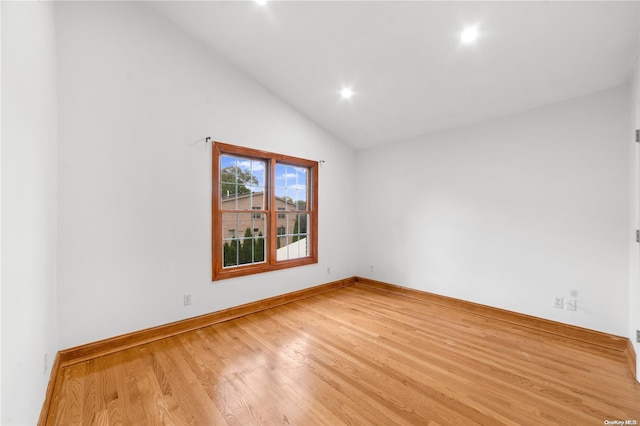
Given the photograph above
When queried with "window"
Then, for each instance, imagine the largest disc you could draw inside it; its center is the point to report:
(271, 200)
(256, 215)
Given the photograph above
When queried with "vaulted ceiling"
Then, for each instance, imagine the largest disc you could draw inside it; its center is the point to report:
(409, 70)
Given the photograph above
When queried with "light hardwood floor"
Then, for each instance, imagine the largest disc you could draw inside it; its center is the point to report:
(356, 356)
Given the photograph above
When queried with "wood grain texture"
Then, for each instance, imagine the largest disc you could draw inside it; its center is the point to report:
(630, 355)
(54, 382)
(271, 263)
(578, 333)
(103, 347)
(355, 355)
(569, 331)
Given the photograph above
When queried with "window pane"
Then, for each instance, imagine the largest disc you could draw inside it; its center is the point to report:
(258, 170)
(293, 237)
(261, 192)
(228, 196)
(239, 177)
(228, 162)
(291, 176)
(257, 199)
(230, 223)
(292, 190)
(280, 178)
(302, 176)
(243, 238)
(301, 200)
(230, 253)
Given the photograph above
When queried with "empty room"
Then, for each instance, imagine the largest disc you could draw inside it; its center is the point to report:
(320, 213)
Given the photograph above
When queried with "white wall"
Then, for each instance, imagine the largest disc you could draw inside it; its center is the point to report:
(508, 213)
(0, 217)
(134, 210)
(634, 217)
(29, 220)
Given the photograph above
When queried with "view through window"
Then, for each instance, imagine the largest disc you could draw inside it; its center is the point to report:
(264, 212)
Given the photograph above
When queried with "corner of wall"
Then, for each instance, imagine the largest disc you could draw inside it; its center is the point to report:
(28, 207)
(634, 212)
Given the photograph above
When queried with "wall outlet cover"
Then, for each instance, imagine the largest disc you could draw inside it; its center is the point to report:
(558, 302)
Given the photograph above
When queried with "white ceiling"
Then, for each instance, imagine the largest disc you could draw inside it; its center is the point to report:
(405, 62)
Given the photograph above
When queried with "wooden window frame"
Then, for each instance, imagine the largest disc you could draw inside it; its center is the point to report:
(270, 263)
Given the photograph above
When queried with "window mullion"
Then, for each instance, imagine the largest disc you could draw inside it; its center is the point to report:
(273, 216)
(238, 211)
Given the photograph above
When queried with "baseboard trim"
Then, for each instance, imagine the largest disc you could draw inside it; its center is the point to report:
(54, 377)
(630, 355)
(100, 348)
(103, 347)
(593, 337)
(107, 346)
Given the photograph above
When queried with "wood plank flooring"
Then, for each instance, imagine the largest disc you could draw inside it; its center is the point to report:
(355, 356)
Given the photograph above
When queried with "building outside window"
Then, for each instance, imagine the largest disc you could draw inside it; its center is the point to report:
(271, 200)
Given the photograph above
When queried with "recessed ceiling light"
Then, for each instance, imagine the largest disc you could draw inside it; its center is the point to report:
(346, 93)
(468, 35)
(261, 2)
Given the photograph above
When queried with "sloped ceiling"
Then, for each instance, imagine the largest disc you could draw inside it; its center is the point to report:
(405, 62)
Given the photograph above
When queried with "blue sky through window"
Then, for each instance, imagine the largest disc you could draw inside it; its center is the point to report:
(290, 181)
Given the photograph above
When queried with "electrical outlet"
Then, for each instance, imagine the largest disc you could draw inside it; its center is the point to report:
(572, 305)
(638, 336)
(370, 268)
(187, 299)
(558, 302)
(46, 363)
(328, 270)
